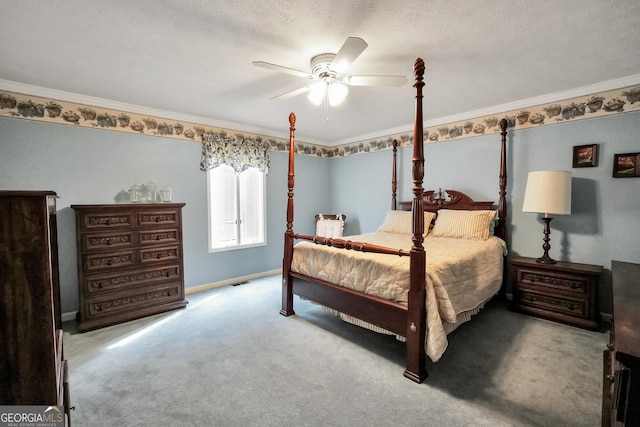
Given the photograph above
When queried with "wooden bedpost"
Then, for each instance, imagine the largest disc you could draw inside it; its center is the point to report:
(287, 290)
(501, 227)
(394, 177)
(501, 230)
(416, 315)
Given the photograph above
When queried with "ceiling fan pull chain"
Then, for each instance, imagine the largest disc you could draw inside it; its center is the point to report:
(326, 101)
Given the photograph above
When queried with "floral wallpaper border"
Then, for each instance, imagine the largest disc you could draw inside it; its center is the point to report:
(28, 107)
(54, 111)
(583, 107)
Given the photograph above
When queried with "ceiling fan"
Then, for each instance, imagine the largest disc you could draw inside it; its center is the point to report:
(328, 79)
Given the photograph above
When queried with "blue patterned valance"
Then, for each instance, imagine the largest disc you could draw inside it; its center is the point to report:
(238, 152)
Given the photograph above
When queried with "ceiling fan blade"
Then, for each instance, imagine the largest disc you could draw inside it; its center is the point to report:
(292, 93)
(350, 50)
(282, 69)
(392, 81)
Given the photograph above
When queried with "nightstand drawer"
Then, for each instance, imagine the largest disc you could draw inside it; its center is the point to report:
(572, 307)
(558, 281)
(563, 292)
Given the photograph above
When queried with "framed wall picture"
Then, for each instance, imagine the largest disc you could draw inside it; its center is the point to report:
(626, 165)
(585, 156)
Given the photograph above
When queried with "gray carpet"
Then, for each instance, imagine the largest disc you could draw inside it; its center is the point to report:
(230, 359)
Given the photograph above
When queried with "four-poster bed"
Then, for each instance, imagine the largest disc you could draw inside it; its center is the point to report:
(395, 290)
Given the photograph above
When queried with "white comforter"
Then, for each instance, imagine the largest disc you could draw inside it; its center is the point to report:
(461, 275)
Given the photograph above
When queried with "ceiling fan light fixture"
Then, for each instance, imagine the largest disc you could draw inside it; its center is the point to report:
(317, 92)
(337, 92)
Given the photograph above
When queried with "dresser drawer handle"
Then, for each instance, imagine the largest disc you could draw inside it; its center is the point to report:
(109, 262)
(108, 242)
(571, 307)
(575, 286)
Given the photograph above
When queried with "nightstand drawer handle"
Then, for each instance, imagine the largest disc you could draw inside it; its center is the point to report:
(571, 307)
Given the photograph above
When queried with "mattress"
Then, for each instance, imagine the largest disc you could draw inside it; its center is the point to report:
(461, 275)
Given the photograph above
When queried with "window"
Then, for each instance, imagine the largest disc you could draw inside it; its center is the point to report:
(236, 208)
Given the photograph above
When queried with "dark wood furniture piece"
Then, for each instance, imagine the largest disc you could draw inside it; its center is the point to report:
(33, 370)
(621, 368)
(129, 262)
(565, 292)
(408, 321)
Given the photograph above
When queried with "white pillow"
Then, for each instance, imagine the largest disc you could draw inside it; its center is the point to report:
(463, 224)
(400, 222)
(329, 228)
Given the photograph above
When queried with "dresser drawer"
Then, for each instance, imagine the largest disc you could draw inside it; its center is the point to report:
(100, 283)
(561, 282)
(109, 304)
(163, 236)
(571, 307)
(96, 221)
(158, 217)
(108, 260)
(99, 241)
(154, 255)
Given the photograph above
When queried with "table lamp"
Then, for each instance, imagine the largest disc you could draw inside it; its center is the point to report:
(548, 193)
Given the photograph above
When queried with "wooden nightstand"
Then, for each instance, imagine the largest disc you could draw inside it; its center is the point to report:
(565, 292)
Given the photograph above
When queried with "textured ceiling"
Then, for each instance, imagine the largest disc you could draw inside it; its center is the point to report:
(194, 56)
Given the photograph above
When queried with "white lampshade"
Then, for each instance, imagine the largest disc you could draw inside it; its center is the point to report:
(337, 92)
(317, 92)
(548, 192)
(334, 91)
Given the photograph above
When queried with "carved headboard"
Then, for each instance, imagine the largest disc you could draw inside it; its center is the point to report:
(448, 199)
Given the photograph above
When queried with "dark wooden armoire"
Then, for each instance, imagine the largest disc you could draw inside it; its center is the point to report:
(32, 366)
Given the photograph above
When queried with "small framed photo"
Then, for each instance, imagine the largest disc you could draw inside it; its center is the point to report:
(626, 165)
(585, 156)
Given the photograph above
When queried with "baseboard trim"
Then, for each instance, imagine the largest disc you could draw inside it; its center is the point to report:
(232, 281)
(69, 316)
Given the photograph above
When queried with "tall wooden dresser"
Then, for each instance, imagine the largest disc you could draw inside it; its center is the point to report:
(621, 382)
(130, 262)
(32, 366)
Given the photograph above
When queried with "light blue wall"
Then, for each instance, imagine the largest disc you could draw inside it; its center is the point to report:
(86, 166)
(605, 210)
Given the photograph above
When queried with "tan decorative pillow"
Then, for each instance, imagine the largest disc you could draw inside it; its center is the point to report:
(401, 221)
(463, 224)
